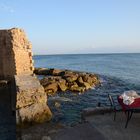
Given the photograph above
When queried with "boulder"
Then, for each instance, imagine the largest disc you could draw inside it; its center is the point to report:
(55, 72)
(87, 85)
(42, 71)
(62, 85)
(34, 113)
(80, 80)
(71, 80)
(31, 105)
(71, 77)
(77, 89)
(57, 104)
(74, 87)
(95, 79)
(51, 88)
(47, 80)
(91, 79)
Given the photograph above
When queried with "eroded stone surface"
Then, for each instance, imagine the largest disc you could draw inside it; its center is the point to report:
(15, 53)
(16, 64)
(31, 105)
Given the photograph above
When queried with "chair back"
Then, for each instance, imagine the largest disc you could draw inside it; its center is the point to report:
(112, 103)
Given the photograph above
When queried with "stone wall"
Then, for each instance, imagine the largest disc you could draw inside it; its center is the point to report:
(15, 53)
(16, 65)
(7, 62)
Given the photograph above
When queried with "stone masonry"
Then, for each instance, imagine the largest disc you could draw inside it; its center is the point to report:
(16, 64)
(15, 53)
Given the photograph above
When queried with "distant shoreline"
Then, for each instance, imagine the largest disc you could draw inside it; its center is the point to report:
(86, 54)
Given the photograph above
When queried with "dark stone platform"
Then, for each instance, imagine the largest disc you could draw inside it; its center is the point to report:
(7, 115)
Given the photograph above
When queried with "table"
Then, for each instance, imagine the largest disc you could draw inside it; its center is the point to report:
(129, 109)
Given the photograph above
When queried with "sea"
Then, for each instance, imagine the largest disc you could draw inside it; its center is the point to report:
(117, 73)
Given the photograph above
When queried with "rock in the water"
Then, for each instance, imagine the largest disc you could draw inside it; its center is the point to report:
(80, 80)
(55, 72)
(31, 104)
(57, 104)
(71, 77)
(87, 85)
(47, 80)
(62, 80)
(62, 85)
(42, 71)
(51, 88)
(74, 87)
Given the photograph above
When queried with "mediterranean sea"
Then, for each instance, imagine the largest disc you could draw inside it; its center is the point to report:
(117, 72)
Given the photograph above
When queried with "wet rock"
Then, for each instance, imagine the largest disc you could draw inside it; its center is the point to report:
(55, 72)
(87, 78)
(95, 79)
(62, 85)
(78, 89)
(57, 104)
(74, 87)
(47, 80)
(80, 80)
(42, 71)
(62, 80)
(81, 83)
(51, 88)
(87, 85)
(71, 77)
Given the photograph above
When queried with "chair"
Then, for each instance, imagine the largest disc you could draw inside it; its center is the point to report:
(115, 107)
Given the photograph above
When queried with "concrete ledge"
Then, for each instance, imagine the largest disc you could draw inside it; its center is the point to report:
(95, 111)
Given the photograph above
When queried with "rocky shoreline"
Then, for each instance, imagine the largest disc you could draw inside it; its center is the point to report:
(55, 80)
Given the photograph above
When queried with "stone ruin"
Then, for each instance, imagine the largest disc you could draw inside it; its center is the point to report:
(15, 53)
(16, 65)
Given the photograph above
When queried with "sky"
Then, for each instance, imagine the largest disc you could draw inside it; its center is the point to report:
(75, 26)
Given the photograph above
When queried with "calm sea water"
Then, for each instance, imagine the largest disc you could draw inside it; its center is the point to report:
(118, 73)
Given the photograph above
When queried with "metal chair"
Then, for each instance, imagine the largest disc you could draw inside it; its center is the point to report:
(115, 107)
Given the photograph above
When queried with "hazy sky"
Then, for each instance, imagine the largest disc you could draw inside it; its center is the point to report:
(75, 26)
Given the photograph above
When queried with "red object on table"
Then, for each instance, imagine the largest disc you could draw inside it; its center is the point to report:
(134, 105)
(129, 109)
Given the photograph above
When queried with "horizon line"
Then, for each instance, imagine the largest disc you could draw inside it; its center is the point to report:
(89, 53)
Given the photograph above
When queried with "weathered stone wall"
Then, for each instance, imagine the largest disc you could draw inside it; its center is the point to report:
(15, 53)
(22, 52)
(7, 62)
(16, 64)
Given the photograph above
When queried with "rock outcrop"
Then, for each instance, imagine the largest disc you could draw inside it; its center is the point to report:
(62, 80)
(31, 106)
